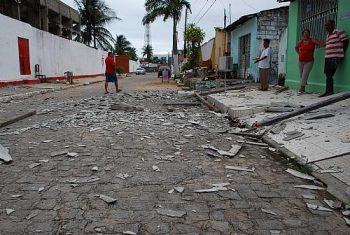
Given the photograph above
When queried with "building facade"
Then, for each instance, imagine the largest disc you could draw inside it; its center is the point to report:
(246, 40)
(49, 15)
(312, 15)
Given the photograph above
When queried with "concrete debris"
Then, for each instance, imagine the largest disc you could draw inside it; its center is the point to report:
(319, 116)
(123, 176)
(155, 168)
(58, 153)
(33, 165)
(41, 189)
(171, 191)
(239, 168)
(346, 213)
(179, 189)
(279, 109)
(31, 215)
(333, 204)
(126, 107)
(300, 175)
(311, 187)
(309, 196)
(278, 128)
(316, 207)
(106, 199)
(216, 188)
(231, 153)
(293, 136)
(9, 211)
(129, 233)
(221, 185)
(44, 160)
(16, 196)
(275, 232)
(47, 141)
(165, 158)
(347, 221)
(95, 168)
(268, 211)
(171, 213)
(330, 171)
(4, 154)
(72, 154)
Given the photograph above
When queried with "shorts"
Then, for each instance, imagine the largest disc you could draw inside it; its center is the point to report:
(331, 65)
(112, 77)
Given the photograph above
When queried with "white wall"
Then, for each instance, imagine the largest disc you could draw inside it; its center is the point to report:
(133, 65)
(54, 54)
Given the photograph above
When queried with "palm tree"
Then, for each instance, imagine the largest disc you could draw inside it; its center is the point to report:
(123, 47)
(148, 52)
(95, 15)
(166, 9)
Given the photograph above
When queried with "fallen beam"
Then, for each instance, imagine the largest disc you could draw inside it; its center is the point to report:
(230, 88)
(18, 118)
(206, 103)
(321, 104)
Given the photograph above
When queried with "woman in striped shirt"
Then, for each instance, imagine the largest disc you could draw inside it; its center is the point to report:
(336, 45)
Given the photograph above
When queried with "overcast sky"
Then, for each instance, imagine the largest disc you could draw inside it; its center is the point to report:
(132, 11)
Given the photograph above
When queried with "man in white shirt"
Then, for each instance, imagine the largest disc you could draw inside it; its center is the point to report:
(264, 65)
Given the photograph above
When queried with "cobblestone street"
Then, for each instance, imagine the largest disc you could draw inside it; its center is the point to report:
(76, 156)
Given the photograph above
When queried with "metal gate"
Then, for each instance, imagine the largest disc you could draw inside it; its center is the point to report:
(314, 14)
(244, 56)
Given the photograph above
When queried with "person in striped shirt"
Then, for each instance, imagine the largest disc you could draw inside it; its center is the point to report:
(336, 45)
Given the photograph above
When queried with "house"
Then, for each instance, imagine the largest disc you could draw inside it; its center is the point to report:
(312, 15)
(246, 37)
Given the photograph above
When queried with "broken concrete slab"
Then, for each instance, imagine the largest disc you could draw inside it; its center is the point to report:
(5, 155)
(317, 207)
(268, 211)
(155, 168)
(278, 128)
(293, 136)
(129, 233)
(311, 187)
(72, 154)
(333, 204)
(239, 168)
(106, 199)
(9, 211)
(347, 221)
(58, 153)
(309, 196)
(252, 143)
(33, 165)
(171, 213)
(179, 189)
(300, 175)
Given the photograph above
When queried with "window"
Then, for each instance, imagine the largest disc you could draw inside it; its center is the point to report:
(24, 58)
(314, 14)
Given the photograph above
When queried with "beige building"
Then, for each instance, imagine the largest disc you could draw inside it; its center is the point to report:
(49, 15)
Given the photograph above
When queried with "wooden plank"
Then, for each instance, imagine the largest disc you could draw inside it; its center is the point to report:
(333, 99)
(17, 118)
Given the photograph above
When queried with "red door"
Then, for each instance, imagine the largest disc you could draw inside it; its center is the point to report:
(24, 58)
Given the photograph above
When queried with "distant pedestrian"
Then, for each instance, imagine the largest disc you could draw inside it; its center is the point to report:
(111, 75)
(165, 74)
(305, 49)
(336, 45)
(264, 65)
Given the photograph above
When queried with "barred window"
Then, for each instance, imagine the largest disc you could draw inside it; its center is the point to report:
(314, 15)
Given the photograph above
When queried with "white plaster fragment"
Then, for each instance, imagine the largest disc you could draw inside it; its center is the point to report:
(300, 175)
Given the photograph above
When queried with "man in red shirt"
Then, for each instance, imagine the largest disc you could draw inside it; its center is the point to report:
(336, 44)
(111, 75)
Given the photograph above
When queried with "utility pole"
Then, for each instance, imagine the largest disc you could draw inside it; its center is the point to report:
(185, 38)
(230, 13)
(18, 9)
(225, 17)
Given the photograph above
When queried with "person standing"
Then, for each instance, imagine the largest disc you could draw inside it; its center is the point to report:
(305, 49)
(111, 75)
(336, 45)
(264, 65)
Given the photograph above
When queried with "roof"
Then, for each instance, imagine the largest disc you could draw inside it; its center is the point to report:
(245, 18)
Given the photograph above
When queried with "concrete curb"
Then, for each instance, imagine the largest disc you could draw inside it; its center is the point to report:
(18, 118)
(7, 99)
(334, 186)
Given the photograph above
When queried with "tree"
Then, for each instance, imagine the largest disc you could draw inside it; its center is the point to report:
(195, 37)
(123, 47)
(156, 60)
(147, 51)
(167, 9)
(95, 15)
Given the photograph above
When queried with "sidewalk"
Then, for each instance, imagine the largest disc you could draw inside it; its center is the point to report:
(324, 143)
(24, 91)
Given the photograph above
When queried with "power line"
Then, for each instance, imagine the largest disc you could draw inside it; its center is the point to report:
(200, 11)
(247, 4)
(206, 11)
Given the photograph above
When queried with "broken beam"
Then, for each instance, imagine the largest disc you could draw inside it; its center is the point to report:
(18, 118)
(214, 91)
(204, 101)
(323, 103)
